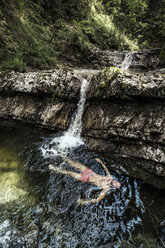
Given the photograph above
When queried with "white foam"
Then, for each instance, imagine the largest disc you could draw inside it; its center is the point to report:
(61, 145)
(68, 141)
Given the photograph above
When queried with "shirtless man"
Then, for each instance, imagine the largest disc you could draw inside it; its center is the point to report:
(87, 175)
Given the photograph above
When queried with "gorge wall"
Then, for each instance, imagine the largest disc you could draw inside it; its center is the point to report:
(125, 120)
(124, 116)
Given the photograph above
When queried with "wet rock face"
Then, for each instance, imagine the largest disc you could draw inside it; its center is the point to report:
(42, 98)
(33, 110)
(128, 132)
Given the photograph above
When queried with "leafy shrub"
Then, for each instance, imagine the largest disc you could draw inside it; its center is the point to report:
(14, 63)
(140, 19)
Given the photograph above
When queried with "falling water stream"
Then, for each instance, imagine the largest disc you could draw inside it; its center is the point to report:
(127, 61)
(72, 137)
(38, 208)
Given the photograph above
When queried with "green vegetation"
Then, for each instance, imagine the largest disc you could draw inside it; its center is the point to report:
(108, 75)
(39, 34)
(142, 20)
(24, 37)
(54, 97)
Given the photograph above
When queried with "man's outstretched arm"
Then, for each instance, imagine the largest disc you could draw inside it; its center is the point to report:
(98, 199)
(105, 168)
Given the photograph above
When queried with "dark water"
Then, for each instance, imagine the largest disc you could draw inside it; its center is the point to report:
(38, 208)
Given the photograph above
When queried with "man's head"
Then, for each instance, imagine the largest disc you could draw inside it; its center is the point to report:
(111, 182)
(116, 184)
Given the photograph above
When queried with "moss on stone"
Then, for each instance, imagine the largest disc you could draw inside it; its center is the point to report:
(55, 96)
(103, 84)
(108, 75)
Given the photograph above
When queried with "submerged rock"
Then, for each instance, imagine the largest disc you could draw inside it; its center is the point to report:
(9, 189)
(10, 178)
(8, 160)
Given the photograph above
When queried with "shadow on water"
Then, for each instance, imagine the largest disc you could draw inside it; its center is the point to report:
(47, 214)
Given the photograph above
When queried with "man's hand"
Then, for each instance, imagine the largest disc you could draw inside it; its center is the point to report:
(98, 199)
(83, 202)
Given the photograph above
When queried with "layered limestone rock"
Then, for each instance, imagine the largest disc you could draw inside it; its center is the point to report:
(42, 98)
(124, 85)
(61, 83)
(124, 116)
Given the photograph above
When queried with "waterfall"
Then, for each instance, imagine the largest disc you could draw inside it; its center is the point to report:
(72, 137)
(127, 61)
(76, 122)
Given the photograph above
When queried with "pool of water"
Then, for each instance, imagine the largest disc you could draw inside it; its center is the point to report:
(38, 208)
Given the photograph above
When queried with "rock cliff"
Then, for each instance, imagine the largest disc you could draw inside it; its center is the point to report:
(125, 119)
(124, 116)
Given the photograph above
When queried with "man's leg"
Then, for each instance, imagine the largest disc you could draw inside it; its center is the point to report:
(65, 172)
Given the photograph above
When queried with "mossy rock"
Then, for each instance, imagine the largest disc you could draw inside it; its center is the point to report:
(8, 159)
(108, 75)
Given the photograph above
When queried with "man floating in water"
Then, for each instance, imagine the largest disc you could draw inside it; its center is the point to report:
(89, 176)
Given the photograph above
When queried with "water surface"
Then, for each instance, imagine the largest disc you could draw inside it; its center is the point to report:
(38, 208)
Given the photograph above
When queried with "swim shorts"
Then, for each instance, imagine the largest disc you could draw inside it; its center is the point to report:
(85, 175)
